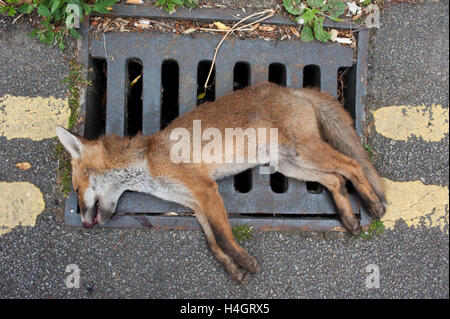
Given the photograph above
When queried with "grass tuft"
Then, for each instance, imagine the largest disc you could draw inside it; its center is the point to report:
(242, 232)
(75, 81)
(376, 228)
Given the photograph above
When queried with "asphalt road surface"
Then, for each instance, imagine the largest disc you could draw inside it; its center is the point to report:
(409, 67)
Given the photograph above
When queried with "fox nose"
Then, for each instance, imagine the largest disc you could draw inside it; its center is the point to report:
(87, 225)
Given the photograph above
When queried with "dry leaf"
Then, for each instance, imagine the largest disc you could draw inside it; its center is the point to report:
(356, 17)
(295, 32)
(334, 34)
(142, 25)
(221, 26)
(254, 27)
(266, 28)
(135, 80)
(109, 8)
(24, 166)
(134, 2)
(344, 40)
(171, 214)
(353, 8)
(189, 31)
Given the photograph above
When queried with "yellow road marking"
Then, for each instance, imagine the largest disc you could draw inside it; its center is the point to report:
(402, 122)
(20, 204)
(416, 203)
(34, 118)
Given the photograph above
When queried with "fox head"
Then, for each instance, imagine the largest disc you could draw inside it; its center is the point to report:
(95, 178)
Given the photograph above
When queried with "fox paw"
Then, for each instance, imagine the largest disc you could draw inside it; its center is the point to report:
(378, 210)
(352, 225)
(254, 266)
(241, 276)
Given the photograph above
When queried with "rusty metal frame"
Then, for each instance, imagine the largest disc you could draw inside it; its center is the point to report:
(260, 208)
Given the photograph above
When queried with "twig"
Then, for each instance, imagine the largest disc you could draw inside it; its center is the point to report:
(104, 45)
(359, 29)
(269, 12)
(14, 21)
(157, 22)
(217, 30)
(117, 244)
(338, 20)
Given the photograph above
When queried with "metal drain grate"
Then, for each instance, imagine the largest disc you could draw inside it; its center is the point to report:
(173, 68)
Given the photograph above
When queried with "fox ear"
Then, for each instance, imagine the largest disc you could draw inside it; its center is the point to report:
(72, 143)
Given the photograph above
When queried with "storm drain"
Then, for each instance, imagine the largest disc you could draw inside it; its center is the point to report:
(143, 80)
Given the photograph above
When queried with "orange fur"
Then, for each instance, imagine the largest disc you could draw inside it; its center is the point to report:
(316, 141)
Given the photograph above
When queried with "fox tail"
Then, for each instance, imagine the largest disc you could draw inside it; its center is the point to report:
(337, 129)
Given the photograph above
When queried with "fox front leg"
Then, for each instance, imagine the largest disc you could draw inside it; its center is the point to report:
(212, 216)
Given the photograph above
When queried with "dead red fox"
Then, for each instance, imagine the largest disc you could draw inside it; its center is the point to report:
(315, 142)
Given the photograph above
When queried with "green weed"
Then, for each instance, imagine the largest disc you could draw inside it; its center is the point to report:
(376, 228)
(242, 232)
(75, 81)
(369, 151)
(57, 18)
(172, 5)
(312, 13)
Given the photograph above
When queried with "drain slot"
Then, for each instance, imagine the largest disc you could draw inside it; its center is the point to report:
(96, 99)
(169, 87)
(278, 183)
(314, 187)
(277, 74)
(350, 187)
(347, 91)
(202, 74)
(311, 76)
(241, 75)
(241, 79)
(243, 181)
(287, 216)
(312, 79)
(133, 114)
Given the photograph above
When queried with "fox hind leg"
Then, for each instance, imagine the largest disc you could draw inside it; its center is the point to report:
(332, 160)
(322, 157)
(335, 183)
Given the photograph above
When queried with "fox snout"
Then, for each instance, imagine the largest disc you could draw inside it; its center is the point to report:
(87, 225)
(96, 215)
(90, 216)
